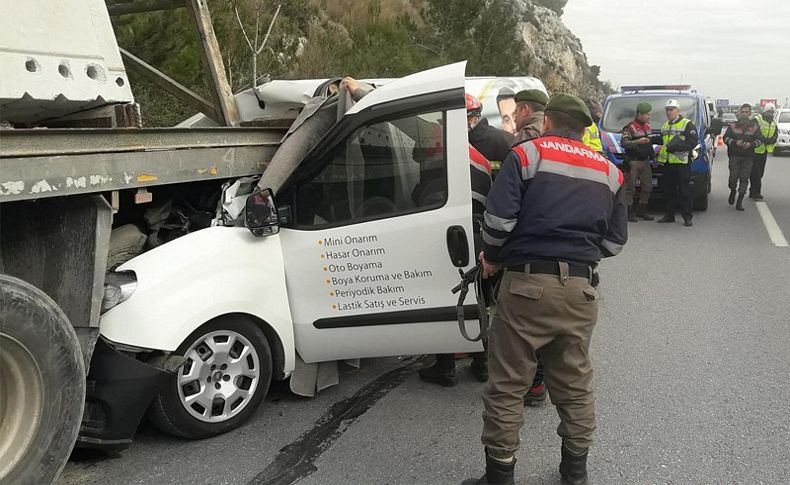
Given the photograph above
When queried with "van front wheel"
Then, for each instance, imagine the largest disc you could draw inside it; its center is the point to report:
(226, 375)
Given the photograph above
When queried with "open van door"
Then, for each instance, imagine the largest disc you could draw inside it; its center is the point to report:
(377, 211)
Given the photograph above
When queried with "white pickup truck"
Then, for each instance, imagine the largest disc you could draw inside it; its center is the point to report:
(358, 265)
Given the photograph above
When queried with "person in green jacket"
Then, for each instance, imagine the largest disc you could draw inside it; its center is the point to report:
(770, 132)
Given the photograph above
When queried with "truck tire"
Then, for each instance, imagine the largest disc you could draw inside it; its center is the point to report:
(226, 375)
(42, 385)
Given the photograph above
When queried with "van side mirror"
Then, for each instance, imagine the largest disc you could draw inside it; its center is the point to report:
(260, 211)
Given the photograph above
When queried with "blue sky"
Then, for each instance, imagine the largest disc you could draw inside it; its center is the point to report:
(736, 49)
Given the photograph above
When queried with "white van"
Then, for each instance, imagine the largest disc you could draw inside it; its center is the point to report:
(357, 266)
(783, 124)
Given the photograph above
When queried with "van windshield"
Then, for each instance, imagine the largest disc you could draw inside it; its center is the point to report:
(621, 111)
(784, 117)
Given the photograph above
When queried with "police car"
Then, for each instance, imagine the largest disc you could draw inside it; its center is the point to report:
(620, 109)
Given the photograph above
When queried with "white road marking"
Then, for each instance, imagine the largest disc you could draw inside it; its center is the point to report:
(774, 231)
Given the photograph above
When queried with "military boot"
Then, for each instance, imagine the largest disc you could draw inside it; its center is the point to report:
(479, 366)
(739, 204)
(497, 473)
(442, 372)
(632, 214)
(573, 467)
(641, 212)
(731, 198)
(536, 396)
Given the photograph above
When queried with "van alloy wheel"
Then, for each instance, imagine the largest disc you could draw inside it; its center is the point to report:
(219, 377)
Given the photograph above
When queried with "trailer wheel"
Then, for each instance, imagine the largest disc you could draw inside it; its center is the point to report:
(42, 385)
(226, 375)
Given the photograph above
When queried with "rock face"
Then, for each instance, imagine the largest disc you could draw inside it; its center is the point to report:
(553, 53)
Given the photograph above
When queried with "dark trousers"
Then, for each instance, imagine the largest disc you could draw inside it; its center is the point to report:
(538, 379)
(676, 180)
(758, 169)
(740, 171)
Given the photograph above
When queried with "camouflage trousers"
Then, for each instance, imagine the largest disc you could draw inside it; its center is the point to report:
(740, 172)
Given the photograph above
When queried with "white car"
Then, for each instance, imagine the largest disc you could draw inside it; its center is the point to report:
(363, 267)
(783, 124)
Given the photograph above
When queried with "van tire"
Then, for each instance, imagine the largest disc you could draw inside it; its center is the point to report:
(701, 202)
(42, 361)
(168, 411)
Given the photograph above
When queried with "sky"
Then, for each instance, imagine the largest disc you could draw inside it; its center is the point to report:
(734, 49)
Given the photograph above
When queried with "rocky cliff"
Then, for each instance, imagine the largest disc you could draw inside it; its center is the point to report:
(553, 53)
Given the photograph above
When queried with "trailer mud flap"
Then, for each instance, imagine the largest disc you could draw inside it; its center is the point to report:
(119, 390)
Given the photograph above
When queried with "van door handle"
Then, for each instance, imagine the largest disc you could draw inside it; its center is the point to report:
(458, 246)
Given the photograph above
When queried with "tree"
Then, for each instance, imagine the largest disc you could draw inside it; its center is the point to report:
(482, 31)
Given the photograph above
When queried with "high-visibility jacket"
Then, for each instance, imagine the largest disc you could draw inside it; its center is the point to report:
(768, 128)
(592, 138)
(670, 131)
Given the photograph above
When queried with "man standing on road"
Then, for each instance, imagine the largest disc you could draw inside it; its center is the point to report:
(741, 138)
(530, 104)
(555, 210)
(678, 139)
(529, 117)
(592, 137)
(770, 132)
(638, 155)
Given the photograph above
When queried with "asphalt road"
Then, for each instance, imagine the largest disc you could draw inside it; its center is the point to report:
(691, 357)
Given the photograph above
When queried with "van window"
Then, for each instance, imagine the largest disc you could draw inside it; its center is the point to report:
(784, 117)
(382, 170)
(621, 111)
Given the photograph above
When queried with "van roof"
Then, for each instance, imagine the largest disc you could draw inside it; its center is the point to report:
(674, 94)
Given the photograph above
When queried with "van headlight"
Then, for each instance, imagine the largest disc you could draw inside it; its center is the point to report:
(118, 287)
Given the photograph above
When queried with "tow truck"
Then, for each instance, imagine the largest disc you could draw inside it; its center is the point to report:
(619, 110)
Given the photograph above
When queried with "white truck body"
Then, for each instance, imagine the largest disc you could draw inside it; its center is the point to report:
(58, 58)
(289, 96)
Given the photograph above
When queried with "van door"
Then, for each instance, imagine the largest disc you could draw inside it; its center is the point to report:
(367, 263)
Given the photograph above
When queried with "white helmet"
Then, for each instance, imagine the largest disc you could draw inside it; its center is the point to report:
(672, 103)
(769, 107)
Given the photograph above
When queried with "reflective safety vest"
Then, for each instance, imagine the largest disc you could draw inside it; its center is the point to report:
(592, 138)
(769, 130)
(668, 133)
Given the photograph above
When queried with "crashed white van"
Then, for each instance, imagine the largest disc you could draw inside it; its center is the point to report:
(352, 264)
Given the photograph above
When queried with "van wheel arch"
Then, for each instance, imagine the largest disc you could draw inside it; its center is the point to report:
(189, 408)
(275, 344)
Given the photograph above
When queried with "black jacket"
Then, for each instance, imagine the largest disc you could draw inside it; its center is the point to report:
(492, 142)
(633, 132)
(746, 132)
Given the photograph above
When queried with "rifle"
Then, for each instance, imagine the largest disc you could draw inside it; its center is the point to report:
(473, 276)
